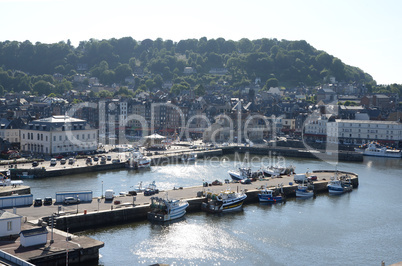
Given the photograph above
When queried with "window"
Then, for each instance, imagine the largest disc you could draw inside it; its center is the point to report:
(9, 225)
(54, 138)
(23, 136)
(59, 138)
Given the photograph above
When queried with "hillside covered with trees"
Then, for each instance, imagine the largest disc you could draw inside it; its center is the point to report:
(30, 67)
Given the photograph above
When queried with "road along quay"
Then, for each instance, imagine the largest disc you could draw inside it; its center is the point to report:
(100, 212)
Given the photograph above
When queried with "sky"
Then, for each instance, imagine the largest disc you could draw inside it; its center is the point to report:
(363, 33)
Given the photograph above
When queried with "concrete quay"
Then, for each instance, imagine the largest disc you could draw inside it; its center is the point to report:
(80, 250)
(349, 156)
(104, 213)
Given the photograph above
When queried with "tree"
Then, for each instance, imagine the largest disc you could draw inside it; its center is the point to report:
(122, 71)
(272, 82)
(199, 90)
(43, 88)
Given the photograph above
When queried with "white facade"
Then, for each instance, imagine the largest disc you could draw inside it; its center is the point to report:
(11, 135)
(33, 237)
(10, 224)
(58, 134)
(364, 131)
(316, 126)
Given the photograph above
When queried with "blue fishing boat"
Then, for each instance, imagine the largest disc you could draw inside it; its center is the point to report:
(267, 195)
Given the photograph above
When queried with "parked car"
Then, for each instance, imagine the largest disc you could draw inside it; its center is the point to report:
(71, 200)
(59, 157)
(38, 202)
(35, 163)
(53, 162)
(71, 160)
(103, 160)
(109, 158)
(63, 161)
(89, 160)
(96, 158)
(48, 201)
(116, 161)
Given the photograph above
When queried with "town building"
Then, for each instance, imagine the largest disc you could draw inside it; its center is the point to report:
(364, 131)
(57, 135)
(10, 224)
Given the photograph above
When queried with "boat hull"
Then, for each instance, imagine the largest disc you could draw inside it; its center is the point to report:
(175, 213)
(266, 198)
(224, 206)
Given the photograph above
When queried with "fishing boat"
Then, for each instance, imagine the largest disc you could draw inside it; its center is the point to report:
(151, 189)
(137, 160)
(304, 191)
(375, 149)
(339, 185)
(243, 173)
(164, 210)
(223, 202)
(267, 195)
(277, 171)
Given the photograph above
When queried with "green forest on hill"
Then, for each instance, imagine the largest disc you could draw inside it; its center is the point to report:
(30, 67)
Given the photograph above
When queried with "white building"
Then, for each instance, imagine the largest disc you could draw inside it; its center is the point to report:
(315, 127)
(58, 134)
(10, 224)
(364, 131)
(33, 237)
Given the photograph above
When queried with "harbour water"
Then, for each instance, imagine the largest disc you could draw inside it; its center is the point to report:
(358, 228)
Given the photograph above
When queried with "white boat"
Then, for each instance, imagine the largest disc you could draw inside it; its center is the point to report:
(163, 210)
(223, 202)
(375, 149)
(277, 171)
(340, 185)
(243, 173)
(137, 160)
(304, 191)
(189, 157)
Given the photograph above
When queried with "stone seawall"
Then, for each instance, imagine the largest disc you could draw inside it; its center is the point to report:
(122, 214)
(294, 152)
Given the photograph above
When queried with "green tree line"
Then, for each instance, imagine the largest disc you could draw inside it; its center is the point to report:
(24, 64)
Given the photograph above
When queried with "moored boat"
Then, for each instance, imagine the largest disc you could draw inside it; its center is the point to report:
(304, 191)
(163, 210)
(223, 202)
(277, 171)
(137, 160)
(339, 185)
(375, 149)
(243, 173)
(267, 195)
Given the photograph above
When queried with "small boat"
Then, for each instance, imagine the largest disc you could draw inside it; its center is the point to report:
(223, 202)
(137, 160)
(189, 157)
(375, 149)
(340, 185)
(151, 189)
(243, 173)
(277, 171)
(164, 210)
(304, 191)
(267, 195)
(25, 175)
